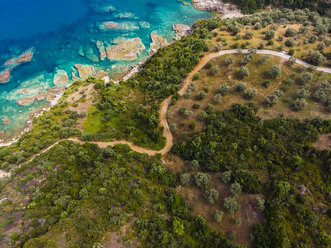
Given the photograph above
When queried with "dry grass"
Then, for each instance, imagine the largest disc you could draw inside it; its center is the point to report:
(258, 74)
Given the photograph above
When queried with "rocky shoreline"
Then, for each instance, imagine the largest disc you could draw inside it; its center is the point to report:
(227, 10)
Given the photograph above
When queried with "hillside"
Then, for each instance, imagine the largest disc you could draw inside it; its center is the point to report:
(211, 144)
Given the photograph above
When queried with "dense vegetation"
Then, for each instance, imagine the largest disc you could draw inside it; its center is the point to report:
(273, 157)
(250, 6)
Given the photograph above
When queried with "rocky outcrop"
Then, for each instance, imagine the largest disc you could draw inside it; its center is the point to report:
(4, 76)
(181, 30)
(26, 101)
(144, 24)
(227, 9)
(84, 71)
(23, 58)
(54, 94)
(61, 78)
(157, 42)
(123, 25)
(125, 49)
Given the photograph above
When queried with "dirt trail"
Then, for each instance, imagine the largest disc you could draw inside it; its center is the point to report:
(165, 104)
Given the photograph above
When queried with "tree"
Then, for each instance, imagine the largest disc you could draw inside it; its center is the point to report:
(185, 179)
(319, 95)
(187, 113)
(299, 104)
(301, 93)
(201, 95)
(241, 86)
(226, 177)
(248, 35)
(218, 216)
(315, 58)
(274, 71)
(290, 32)
(203, 115)
(246, 59)
(211, 196)
(290, 42)
(231, 205)
(223, 90)
(195, 165)
(271, 100)
(269, 34)
(214, 70)
(202, 180)
(236, 189)
(217, 99)
(250, 94)
(304, 78)
(312, 38)
(321, 46)
(260, 204)
(243, 72)
(291, 61)
(229, 60)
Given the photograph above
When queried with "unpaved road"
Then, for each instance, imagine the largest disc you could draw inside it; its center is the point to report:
(165, 104)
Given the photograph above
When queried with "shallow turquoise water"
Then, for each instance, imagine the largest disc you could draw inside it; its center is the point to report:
(64, 33)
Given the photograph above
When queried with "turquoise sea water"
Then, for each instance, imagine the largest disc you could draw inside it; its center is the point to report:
(63, 33)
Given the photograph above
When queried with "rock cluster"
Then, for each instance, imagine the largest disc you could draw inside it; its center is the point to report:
(26, 101)
(84, 71)
(157, 42)
(125, 49)
(4, 76)
(181, 30)
(61, 78)
(227, 9)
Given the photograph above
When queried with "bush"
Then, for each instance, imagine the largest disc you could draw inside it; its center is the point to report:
(231, 205)
(203, 116)
(202, 180)
(301, 93)
(223, 90)
(195, 165)
(312, 38)
(187, 113)
(260, 204)
(196, 106)
(185, 179)
(291, 61)
(192, 125)
(290, 32)
(211, 196)
(321, 46)
(299, 104)
(243, 72)
(236, 189)
(229, 60)
(269, 34)
(263, 59)
(274, 71)
(290, 42)
(248, 35)
(214, 70)
(250, 94)
(218, 216)
(217, 99)
(226, 176)
(196, 76)
(246, 59)
(182, 110)
(208, 66)
(266, 83)
(304, 79)
(201, 95)
(209, 108)
(315, 58)
(241, 86)
(257, 26)
(270, 100)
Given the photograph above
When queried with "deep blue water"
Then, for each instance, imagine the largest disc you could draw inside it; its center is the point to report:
(64, 32)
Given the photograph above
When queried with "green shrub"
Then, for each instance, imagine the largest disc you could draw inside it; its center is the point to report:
(202, 180)
(231, 205)
(241, 86)
(211, 196)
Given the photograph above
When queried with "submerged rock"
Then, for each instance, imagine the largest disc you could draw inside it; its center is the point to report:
(61, 78)
(181, 30)
(102, 50)
(6, 121)
(157, 42)
(123, 25)
(144, 24)
(5, 76)
(25, 57)
(26, 101)
(126, 49)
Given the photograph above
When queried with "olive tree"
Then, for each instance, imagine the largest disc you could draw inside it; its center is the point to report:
(226, 177)
(202, 180)
(236, 189)
(315, 58)
(231, 205)
(274, 71)
(185, 179)
(243, 72)
(211, 196)
(299, 104)
(241, 86)
(250, 94)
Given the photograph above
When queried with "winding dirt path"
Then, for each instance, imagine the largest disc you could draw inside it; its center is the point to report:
(165, 104)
